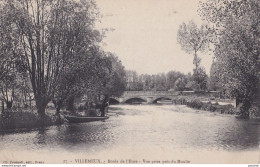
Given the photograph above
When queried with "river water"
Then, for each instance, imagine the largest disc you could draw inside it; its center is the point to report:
(136, 132)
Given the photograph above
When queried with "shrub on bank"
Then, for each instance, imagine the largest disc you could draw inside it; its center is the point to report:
(209, 107)
(15, 120)
(196, 103)
(254, 111)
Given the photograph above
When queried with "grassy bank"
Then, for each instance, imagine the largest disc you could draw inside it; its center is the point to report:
(197, 103)
(11, 119)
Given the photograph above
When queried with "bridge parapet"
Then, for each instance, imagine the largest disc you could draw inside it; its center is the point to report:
(150, 93)
(152, 96)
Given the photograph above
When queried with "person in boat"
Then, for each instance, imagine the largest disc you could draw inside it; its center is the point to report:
(104, 108)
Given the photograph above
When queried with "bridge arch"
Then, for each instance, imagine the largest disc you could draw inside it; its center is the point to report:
(113, 101)
(135, 100)
(162, 98)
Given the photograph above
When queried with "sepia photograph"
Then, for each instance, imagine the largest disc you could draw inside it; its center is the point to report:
(129, 82)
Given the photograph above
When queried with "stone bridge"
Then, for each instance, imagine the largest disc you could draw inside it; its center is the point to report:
(145, 96)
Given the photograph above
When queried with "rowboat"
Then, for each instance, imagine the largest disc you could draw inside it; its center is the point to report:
(79, 119)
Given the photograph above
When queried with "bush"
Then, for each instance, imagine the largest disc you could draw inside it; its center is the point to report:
(254, 111)
(81, 108)
(14, 120)
(209, 107)
(181, 101)
(195, 102)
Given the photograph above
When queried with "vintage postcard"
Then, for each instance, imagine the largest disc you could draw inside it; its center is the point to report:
(129, 82)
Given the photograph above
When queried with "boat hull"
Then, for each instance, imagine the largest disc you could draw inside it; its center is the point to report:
(80, 119)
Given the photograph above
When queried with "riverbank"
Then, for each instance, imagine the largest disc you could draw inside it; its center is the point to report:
(27, 119)
(201, 103)
(165, 132)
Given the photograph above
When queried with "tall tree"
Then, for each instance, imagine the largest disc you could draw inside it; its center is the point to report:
(114, 82)
(237, 51)
(49, 33)
(110, 81)
(201, 78)
(81, 79)
(193, 40)
(9, 65)
(214, 80)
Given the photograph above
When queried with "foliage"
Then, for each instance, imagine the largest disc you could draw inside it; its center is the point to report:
(201, 78)
(8, 63)
(15, 120)
(237, 50)
(195, 102)
(214, 80)
(192, 85)
(77, 80)
(193, 40)
(48, 37)
(180, 84)
(116, 83)
(158, 82)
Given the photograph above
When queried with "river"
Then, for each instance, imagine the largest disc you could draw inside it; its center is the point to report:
(141, 133)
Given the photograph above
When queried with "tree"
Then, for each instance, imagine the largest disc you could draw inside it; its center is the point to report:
(132, 80)
(9, 65)
(193, 40)
(237, 51)
(160, 82)
(172, 77)
(180, 84)
(148, 82)
(214, 80)
(155, 82)
(49, 34)
(8, 85)
(115, 81)
(111, 80)
(65, 89)
(191, 85)
(80, 79)
(201, 78)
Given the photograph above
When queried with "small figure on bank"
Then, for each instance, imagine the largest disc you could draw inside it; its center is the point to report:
(104, 108)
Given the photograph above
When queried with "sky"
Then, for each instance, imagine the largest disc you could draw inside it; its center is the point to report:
(144, 34)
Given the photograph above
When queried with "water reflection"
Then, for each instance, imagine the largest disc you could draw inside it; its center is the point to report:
(241, 134)
(41, 135)
(174, 127)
